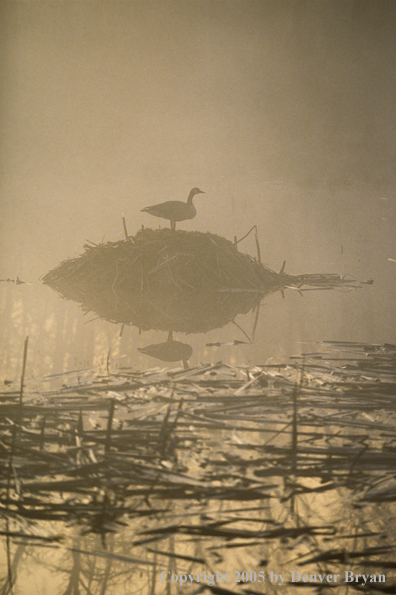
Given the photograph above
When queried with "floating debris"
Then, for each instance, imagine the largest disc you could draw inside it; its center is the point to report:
(194, 458)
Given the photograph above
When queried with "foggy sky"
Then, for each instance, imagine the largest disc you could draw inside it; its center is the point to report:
(282, 111)
(111, 106)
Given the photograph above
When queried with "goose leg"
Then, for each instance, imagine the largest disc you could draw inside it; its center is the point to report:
(173, 225)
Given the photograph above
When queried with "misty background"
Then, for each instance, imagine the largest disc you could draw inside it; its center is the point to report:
(283, 112)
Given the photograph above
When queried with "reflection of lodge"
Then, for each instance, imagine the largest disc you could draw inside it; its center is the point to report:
(165, 280)
(172, 280)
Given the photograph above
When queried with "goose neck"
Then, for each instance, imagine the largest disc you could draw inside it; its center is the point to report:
(190, 197)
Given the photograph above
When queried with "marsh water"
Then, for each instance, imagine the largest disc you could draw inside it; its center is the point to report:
(271, 450)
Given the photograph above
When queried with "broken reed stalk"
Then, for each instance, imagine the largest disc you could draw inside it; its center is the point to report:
(8, 587)
(109, 425)
(42, 434)
(257, 245)
(25, 349)
(173, 425)
(236, 242)
(241, 329)
(10, 463)
(154, 574)
(246, 235)
(256, 319)
(164, 432)
(294, 442)
(124, 225)
(108, 362)
(18, 417)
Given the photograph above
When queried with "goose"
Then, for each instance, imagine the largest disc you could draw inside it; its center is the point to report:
(170, 351)
(175, 210)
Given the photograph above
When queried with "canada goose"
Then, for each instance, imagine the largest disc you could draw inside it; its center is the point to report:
(170, 351)
(175, 210)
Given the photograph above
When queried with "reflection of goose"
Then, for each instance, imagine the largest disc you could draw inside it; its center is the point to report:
(170, 351)
(175, 210)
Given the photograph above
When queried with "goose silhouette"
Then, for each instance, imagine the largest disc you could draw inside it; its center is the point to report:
(175, 210)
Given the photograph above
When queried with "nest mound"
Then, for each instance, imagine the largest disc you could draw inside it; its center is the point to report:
(166, 280)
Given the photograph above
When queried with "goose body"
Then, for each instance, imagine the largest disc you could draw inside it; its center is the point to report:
(175, 210)
(170, 351)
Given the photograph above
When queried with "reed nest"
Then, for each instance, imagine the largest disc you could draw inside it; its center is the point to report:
(165, 280)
